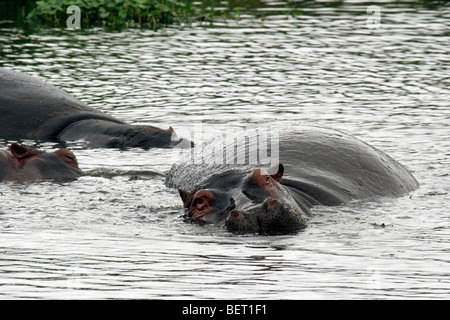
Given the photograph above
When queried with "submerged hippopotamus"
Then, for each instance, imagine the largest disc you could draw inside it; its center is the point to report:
(21, 163)
(317, 166)
(33, 109)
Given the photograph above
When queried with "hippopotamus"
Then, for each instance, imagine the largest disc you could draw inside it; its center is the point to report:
(33, 109)
(316, 166)
(20, 163)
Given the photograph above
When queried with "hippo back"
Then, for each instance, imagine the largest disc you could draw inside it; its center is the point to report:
(342, 165)
(320, 162)
(33, 109)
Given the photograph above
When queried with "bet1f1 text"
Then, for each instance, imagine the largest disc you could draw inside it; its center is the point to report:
(228, 309)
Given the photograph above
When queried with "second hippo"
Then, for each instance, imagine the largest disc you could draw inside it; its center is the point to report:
(33, 109)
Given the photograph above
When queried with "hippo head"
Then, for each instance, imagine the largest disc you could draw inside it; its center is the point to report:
(28, 164)
(255, 203)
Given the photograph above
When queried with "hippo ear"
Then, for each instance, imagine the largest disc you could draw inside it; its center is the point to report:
(21, 152)
(186, 197)
(279, 174)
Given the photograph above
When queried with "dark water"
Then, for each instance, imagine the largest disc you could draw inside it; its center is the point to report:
(117, 232)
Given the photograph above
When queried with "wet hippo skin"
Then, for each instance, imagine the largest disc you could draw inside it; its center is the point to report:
(33, 109)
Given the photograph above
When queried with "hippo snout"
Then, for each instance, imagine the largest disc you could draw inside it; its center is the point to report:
(270, 216)
(270, 204)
